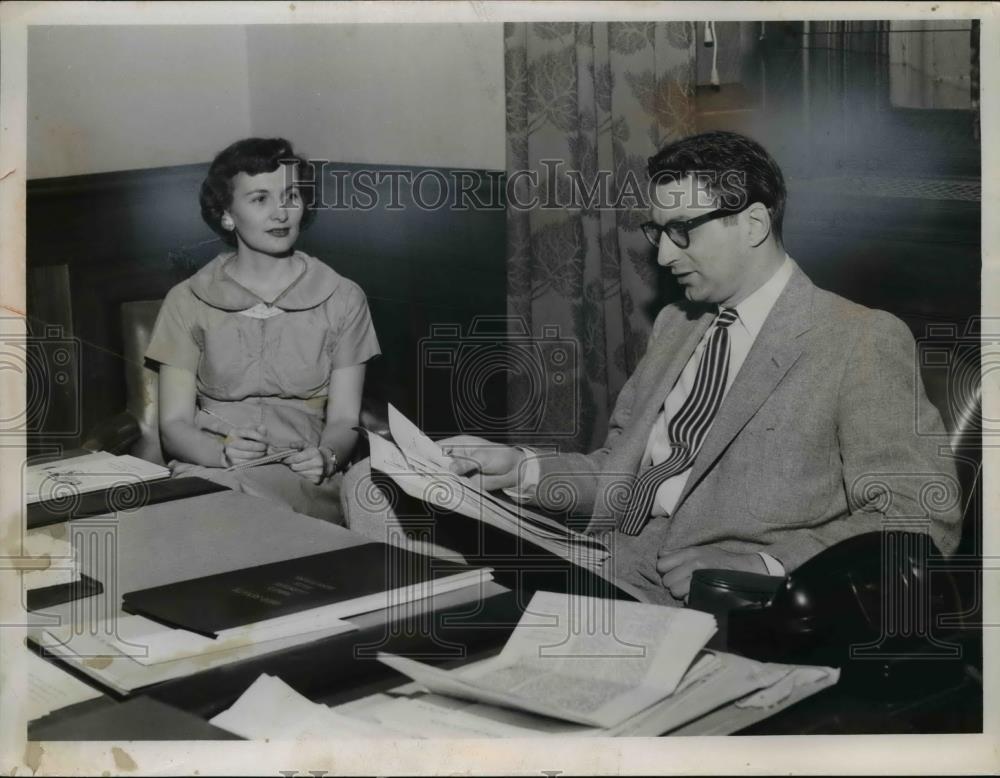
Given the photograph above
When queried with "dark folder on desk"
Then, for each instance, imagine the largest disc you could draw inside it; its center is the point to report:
(215, 603)
(141, 718)
(45, 512)
(48, 596)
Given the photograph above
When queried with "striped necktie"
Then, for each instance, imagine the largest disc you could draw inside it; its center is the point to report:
(687, 429)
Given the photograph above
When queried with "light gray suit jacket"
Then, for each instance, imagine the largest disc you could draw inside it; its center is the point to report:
(816, 441)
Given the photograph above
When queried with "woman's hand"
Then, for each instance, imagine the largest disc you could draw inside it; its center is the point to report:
(244, 444)
(308, 463)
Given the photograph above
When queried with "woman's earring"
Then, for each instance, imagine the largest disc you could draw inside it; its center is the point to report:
(227, 223)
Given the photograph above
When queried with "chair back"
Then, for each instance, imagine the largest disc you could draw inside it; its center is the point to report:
(967, 449)
(141, 381)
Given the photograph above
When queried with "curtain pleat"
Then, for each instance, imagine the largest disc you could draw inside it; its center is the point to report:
(587, 103)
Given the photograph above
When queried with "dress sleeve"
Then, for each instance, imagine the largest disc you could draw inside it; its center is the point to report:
(354, 341)
(174, 341)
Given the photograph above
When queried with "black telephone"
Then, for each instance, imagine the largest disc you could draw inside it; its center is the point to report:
(871, 605)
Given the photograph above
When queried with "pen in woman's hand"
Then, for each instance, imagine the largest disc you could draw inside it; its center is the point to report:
(225, 421)
(258, 432)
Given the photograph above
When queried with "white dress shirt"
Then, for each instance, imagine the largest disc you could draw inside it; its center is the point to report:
(751, 314)
(743, 332)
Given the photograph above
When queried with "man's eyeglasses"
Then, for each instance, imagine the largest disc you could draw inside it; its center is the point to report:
(679, 232)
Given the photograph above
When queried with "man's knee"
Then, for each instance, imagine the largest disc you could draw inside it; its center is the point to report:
(364, 498)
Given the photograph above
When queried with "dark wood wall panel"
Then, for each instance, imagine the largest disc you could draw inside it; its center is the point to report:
(132, 235)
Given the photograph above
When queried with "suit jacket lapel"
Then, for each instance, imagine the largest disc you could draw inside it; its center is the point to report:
(672, 352)
(774, 351)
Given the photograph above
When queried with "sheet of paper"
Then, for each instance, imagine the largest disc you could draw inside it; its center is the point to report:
(289, 716)
(728, 719)
(703, 703)
(149, 642)
(89, 473)
(426, 457)
(592, 662)
(46, 560)
(92, 656)
(603, 660)
(50, 688)
(433, 716)
(319, 618)
(729, 678)
(458, 495)
(414, 443)
(781, 689)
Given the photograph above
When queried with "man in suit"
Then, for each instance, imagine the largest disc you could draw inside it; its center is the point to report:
(768, 419)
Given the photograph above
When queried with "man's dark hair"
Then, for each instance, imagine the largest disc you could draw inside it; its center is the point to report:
(251, 156)
(726, 157)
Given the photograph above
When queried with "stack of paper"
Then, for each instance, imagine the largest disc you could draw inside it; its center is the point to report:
(569, 669)
(50, 689)
(65, 478)
(129, 652)
(637, 669)
(47, 560)
(422, 470)
(591, 662)
(188, 626)
(150, 643)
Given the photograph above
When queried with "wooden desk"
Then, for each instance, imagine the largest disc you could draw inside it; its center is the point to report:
(343, 668)
(227, 531)
(168, 542)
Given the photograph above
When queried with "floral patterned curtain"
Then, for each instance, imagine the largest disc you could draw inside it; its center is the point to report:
(587, 104)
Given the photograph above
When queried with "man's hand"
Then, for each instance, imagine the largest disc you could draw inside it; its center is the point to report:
(677, 566)
(244, 444)
(498, 464)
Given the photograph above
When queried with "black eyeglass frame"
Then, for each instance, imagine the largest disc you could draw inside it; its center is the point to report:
(684, 227)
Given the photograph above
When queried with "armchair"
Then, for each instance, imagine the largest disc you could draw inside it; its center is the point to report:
(841, 598)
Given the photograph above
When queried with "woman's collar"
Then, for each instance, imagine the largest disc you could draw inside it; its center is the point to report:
(214, 286)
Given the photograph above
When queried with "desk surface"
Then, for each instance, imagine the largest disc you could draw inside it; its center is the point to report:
(227, 531)
(343, 668)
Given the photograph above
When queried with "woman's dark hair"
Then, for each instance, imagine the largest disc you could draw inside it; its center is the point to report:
(734, 169)
(251, 156)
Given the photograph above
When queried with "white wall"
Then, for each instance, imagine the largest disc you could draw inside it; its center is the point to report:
(383, 93)
(120, 98)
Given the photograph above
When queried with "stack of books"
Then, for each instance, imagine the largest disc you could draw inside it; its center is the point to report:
(51, 570)
(173, 630)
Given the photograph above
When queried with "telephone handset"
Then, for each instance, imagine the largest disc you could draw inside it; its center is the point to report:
(868, 605)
